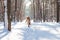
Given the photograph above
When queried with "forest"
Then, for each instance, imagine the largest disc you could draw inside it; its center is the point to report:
(29, 19)
(37, 10)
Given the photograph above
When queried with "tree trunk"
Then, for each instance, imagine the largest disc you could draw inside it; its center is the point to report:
(57, 11)
(9, 14)
(15, 10)
(43, 13)
(34, 10)
(5, 15)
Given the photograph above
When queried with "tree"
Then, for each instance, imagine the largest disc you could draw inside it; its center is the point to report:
(9, 14)
(34, 9)
(57, 11)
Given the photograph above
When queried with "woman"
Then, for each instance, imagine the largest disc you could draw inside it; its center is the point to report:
(28, 21)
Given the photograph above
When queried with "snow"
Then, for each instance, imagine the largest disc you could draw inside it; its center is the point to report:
(36, 31)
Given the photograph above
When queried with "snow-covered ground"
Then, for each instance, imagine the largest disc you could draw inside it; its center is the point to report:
(36, 31)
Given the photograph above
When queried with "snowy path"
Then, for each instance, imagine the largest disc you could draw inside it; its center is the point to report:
(37, 31)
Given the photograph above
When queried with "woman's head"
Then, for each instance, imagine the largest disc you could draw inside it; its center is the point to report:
(27, 17)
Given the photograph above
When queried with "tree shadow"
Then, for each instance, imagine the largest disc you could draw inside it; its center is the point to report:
(34, 34)
(3, 33)
(54, 26)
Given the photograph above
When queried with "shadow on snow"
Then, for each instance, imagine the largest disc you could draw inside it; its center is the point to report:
(3, 33)
(34, 34)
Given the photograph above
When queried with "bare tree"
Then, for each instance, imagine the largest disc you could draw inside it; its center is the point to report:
(57, 11)
(9, 14)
